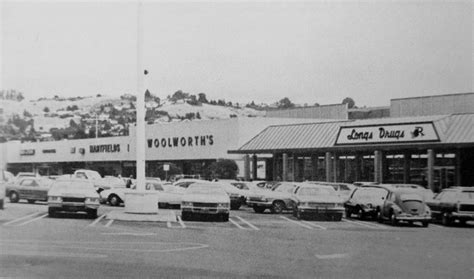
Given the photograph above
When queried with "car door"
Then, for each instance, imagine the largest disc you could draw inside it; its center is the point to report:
(388, 203)
(42, 191)
(434, 205)
(447, 202)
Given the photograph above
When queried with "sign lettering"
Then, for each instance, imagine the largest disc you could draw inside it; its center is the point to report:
(172, 142)
(104, 148)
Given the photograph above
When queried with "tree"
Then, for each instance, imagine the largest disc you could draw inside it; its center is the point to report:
(349, 101)
(223, 169)
(148, 95)
(202, 98)
(46, 109)
(26, 114)
(285, 103)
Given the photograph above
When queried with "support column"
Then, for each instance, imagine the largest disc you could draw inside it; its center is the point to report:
(296, 168)
(335, 168)
(247, 167)
(346, 169)
(314, 167)
(275, 167)
(406, 167)
(357, 167)
(378, 167)
(458, 168)
(254, 166)
(328, 167)
(430, 170)
(284, 175)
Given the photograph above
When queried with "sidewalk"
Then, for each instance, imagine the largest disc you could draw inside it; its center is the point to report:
(162, 216)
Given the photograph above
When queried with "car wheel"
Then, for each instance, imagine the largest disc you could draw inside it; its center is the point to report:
(337, 217)
(1, 204)
(298, 215)
(348, 213)
(14, 197)
(425, 224)
(258, 209)
(379, 216)
(446, 219)
(114, 200)
(225, 217)
(393, 219)
(51, 212)
(277, 207)
(462, 222)
(235, 206)
(361, 214)
(31, 201)
(92, 213)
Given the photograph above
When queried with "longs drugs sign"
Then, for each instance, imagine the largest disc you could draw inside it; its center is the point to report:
(389, 133)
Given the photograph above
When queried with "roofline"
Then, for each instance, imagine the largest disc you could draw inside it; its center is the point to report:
(442, 95)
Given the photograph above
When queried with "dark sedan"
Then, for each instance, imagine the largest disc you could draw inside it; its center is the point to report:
(456, 203)
(29, 188)
(406, 205)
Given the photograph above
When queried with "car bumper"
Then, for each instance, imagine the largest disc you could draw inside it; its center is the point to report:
(463, 215)
(73, 206)
(205, 210)
(259, 204)
(414, 218)
(321, 210)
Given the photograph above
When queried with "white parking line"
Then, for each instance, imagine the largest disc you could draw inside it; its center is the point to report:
(21, 218)
(235, 223)
(246, 222)
(360, 223)
(436, 225)
(109, 223)
(296, 222)
(96, 220)
(181, 221)
(314, 225)
(374, 225)
(168, 224)
(32, 220)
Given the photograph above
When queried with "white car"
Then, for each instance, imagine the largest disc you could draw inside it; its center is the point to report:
(320, 201)
(237, 196)
(205, 198)
(168, 195)
(277, 200)
(344, 190)
(73, 196)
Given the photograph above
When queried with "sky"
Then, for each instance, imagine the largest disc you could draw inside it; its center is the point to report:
(311, 52)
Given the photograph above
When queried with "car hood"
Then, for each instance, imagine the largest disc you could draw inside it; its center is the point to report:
(321, 199)
(206, 198)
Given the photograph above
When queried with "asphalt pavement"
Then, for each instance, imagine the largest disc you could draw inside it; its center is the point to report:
(34, 245)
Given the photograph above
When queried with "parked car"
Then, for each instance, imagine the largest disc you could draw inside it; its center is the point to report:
(20, 175)
(205, 198)
(237, 196)
(344, 190)
(405, 204)
(427, 193)
(168, 194)
(364, 183)
(277, 200)
(366, 201)
(185, 182)
(320, 201)
(29, 188)
(456, 203)
(73, 196)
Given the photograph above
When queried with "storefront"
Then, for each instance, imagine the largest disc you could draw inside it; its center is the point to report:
(437, 151)
(190, 145)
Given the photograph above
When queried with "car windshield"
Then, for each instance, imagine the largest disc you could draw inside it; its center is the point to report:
(63, 185)
(93, 175)
(204, 189)
(410, 197)
(466, 196)
(316, 191)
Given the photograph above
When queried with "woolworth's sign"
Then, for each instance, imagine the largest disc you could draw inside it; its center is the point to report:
(389, 133)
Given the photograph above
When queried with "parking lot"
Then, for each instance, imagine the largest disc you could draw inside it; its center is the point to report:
(249, 245)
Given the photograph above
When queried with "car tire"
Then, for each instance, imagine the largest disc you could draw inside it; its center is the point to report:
(379, 216)
(348, 213)
(361, 213)
(299, 216)
(235, 206)
(425, 224)
(51, 212)
(14, 197)
(258, 209)
(462, 222)
(446, 219)
(31, 201)
(225, 217)
(277, 207)
(337, 217)
(393, 219)
(114, 200)
(1, 204)
(92, 213)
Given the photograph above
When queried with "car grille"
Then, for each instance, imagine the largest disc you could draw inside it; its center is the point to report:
(204, 204)
(466, 207)
(322, 204)
(69, 199)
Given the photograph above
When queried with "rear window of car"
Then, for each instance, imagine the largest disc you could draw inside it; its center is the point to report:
(410, 197)
(240, 185)
(368, 193)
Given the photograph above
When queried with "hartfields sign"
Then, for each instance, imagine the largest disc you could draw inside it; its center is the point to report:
(389, 133)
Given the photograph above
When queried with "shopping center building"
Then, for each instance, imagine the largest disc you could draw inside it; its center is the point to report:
(427, 140)
(423, 140)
